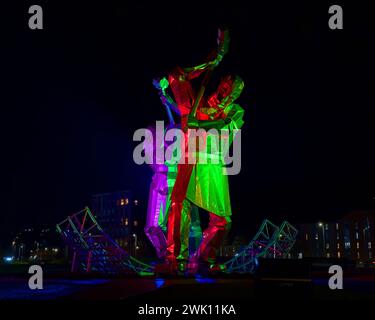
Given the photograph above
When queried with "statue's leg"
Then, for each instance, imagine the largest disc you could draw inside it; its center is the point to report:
(155, 211)
(195, 234)
(213, 237)
(174, 218)
(185, 229)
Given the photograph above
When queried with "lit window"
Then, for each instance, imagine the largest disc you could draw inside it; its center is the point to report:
(327, 246)
(357, 245)
(126, 221)
(338, 246)
(369, 245)
(347, 245)
(316, 237)
(357, 235)
(328, 255)
(136, 202)
(307, 237)
(338, 254)
(337, 226)
(126, 201)
(122, 202)
(135, 223)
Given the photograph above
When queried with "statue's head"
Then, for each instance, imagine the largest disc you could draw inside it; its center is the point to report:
(229, 89)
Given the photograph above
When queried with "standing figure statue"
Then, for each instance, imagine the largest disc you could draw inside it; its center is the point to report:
(161, 187)
(208, 186)
(205, 185)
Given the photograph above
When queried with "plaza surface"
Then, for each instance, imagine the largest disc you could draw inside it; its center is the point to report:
(179, 289)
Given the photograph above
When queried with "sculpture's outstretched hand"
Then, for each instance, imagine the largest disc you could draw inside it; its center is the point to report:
(223, 41)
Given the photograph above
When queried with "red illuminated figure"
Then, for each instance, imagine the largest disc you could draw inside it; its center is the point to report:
(207, 187)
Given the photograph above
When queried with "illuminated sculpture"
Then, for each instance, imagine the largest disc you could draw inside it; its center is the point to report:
(161, 187)
(176, 191)
(208, 186)
(202, 184)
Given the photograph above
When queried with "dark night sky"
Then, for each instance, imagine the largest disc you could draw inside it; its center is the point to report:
(73, 94)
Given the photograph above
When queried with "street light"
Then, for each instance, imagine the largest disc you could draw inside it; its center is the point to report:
(324, 238)
(135, 245)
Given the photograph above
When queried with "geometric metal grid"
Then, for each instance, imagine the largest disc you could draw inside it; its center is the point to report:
(94, 250)
(270, 241)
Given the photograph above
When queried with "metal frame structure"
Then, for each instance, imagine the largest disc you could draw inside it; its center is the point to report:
(270, 241)
(94, 250)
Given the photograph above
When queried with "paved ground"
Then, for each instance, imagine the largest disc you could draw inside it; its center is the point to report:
(181, 289)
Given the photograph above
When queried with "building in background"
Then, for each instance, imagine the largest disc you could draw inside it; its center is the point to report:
(351, 237)
(37, 245)
(120, 216)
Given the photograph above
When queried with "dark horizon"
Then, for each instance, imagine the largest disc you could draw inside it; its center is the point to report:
(75, 92)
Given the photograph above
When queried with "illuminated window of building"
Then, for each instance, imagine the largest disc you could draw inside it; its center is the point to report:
(327, 245)
(307, 237)
(136, 202)
(357, 245)
(357, 235)
(358, 255)
(338, 246)
(369, 245)
(328, 255)
(347, 245)
(122, 202)
(316, 237)
(337, 226)
(135, 223)
(326, 226)
(126, 201)
(338, 237)
(338, 254)
(126, 221)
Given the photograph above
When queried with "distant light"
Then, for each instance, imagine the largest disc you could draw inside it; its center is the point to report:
(159, 282)
(320, 224)
(134, 235)
(8, 259)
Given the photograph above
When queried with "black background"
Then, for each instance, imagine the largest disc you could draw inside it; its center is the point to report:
(73, 93)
